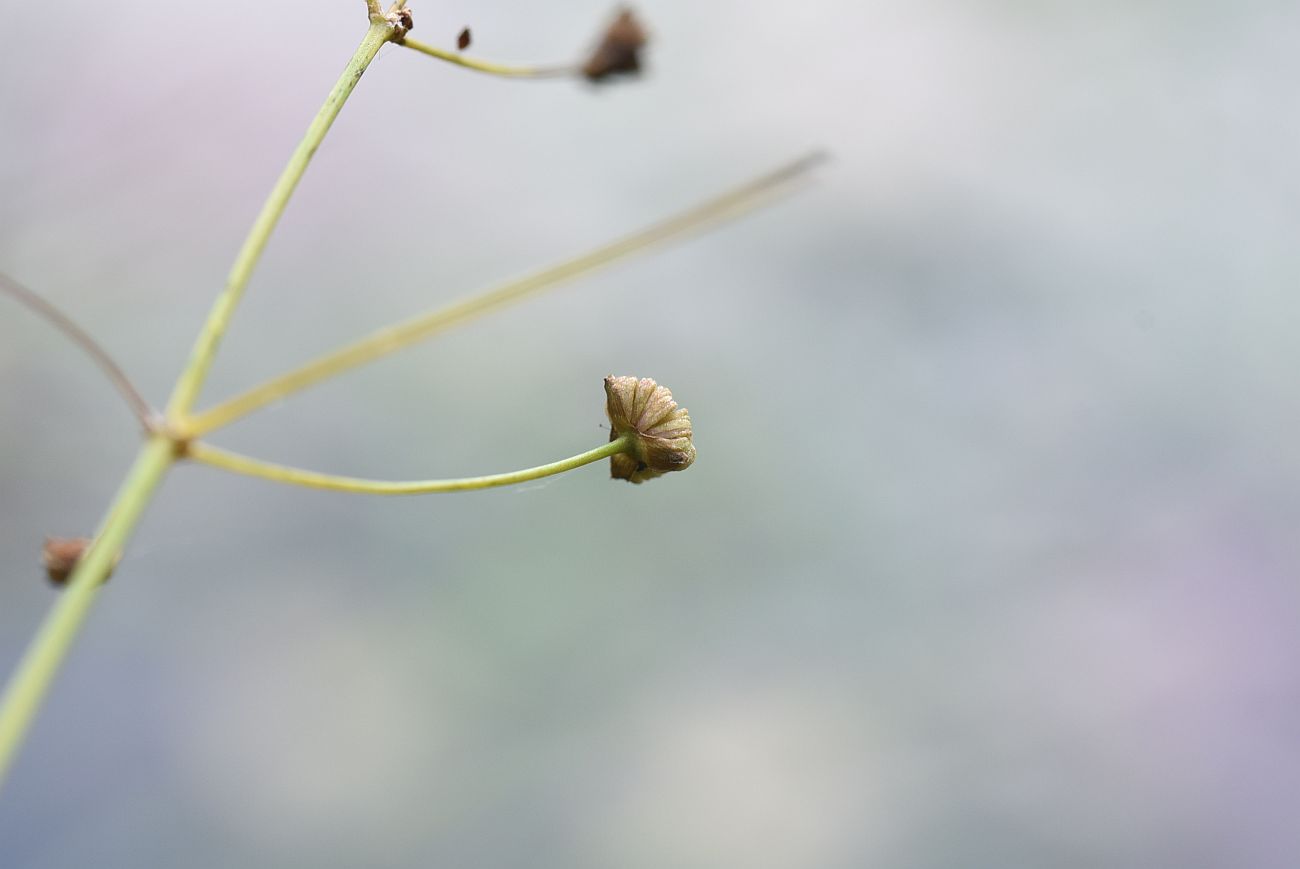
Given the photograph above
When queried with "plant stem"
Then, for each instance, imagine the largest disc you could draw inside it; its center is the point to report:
(31, 680)
(79, 336)
(205, 348)
(229, 461)
(47, 650)
(489, 67)
(388, 340)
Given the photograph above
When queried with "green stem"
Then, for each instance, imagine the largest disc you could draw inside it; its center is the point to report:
(388, 340)
(35, 672)
(205, 348)
(488, 66)
(31, 680)
(229, 461)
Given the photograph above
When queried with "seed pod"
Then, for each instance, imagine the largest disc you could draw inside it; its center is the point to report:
(619, 50)
(463, 41)
(60, 555)
(661, 431)
(401, 22)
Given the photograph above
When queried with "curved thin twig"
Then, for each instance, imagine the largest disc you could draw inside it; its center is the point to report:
(240, 464)
(489, 67)
(143, 411)
(733, 203)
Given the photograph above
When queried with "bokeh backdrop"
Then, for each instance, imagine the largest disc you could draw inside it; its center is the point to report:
(990, 554)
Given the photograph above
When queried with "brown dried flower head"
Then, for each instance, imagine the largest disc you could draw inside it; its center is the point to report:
(619, 51)
(661, 430)
(402, 22)
(61, 554)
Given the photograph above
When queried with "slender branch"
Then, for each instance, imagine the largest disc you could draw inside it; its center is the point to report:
(61, 321)
(35, 672)
(489, 67)
(385, 341)
(205, 348)
(210, 455)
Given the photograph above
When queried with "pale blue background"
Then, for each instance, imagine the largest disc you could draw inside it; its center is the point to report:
(989, 558)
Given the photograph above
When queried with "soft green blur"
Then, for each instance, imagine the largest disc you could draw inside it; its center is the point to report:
(988, 557)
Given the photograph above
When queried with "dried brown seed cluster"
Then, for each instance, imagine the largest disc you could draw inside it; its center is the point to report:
(61, 554)
(619, 51)
(661, 430)
(401, 21)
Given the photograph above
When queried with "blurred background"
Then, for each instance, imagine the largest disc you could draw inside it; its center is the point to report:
(989, 557)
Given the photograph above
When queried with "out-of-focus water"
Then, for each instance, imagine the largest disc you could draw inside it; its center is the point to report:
(988, 558)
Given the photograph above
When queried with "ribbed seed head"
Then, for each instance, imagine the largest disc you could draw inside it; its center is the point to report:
(660, 430)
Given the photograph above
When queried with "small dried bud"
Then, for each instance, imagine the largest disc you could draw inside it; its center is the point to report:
(61, 554)
(463, 41)
(619, 50)
(661, 430)
(401, 21)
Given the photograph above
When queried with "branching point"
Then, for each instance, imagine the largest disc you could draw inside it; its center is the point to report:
(399, 18)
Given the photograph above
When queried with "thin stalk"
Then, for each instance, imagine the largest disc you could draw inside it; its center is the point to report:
(35, 672)
(488, 66)
(393, 338)
(219, 458)
(205, 348)
(74, 333)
